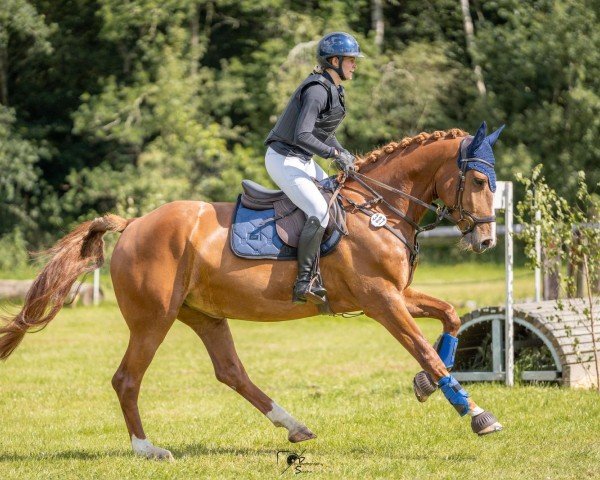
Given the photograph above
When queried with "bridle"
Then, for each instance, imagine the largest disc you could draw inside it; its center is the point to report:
(466, 222)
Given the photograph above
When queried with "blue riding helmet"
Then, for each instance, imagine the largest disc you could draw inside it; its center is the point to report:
(340, 45)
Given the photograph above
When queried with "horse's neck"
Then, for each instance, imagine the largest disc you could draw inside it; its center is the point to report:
(414, 172)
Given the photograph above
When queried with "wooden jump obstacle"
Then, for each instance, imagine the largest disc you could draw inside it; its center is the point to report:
(550, 344)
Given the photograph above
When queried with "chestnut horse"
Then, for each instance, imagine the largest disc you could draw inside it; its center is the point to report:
(176, 263)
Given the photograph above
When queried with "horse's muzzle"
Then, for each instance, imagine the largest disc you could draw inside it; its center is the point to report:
(484, 245)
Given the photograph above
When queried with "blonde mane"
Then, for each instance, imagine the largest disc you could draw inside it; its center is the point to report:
(406, 142)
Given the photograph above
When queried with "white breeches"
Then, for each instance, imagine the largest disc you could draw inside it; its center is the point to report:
(294, 176)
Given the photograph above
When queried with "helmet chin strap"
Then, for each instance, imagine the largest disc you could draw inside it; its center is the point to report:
(339, 70)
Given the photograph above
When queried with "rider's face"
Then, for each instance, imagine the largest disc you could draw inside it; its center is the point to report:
(348, 66)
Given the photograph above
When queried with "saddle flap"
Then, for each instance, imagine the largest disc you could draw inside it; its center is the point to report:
(289, 223)
(257, 197)
(289, 219)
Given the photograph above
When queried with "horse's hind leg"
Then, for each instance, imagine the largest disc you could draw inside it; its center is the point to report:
(216, 336)
(127, 381)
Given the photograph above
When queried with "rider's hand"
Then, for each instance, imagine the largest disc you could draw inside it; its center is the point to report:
(344, 160)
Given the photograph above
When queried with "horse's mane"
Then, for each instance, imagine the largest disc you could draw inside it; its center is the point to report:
(406, 142)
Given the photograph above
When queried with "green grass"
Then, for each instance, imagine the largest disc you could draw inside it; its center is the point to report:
(471, 285)
(347, 379)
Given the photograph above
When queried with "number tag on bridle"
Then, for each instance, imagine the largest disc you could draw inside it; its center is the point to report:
(378, 220)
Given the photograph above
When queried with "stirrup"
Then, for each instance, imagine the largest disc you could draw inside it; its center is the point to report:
(313, 297)
(302, 294)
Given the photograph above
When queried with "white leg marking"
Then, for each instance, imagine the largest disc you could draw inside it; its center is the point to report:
(281, 418)
(144, 448)
(476, 411)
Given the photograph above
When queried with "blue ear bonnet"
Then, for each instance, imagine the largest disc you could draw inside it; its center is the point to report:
(481, 148)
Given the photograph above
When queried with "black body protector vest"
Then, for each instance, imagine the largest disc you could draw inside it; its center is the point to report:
(327, 121)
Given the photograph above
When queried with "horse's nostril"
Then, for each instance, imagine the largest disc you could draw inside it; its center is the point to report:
(487, 243)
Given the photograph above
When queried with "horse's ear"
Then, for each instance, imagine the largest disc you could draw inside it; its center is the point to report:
(479, 137)
(492, 137)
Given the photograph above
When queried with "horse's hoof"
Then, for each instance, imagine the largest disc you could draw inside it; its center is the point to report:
(157, 453)
(301, 435)
(164, 455)
(423, 386)
(485, 423)
(144, 448)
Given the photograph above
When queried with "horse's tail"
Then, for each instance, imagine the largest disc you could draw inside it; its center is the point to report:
(80, 251)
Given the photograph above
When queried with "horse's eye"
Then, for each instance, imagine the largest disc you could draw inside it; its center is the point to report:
(480, 182)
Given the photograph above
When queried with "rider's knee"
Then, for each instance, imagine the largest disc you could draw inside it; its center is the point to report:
(322, 213)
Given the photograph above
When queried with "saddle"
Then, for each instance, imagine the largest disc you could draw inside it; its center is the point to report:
(267, 224)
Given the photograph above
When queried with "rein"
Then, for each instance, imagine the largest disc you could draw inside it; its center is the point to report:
(466, 222)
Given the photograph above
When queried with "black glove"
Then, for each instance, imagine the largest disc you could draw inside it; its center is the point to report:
(344, 160)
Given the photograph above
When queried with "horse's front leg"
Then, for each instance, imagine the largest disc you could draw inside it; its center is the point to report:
(394, 315)
(422, 305)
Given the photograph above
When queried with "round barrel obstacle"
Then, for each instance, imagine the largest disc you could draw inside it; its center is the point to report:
(551, 343)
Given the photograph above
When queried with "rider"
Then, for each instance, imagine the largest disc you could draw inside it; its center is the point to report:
(306, 127)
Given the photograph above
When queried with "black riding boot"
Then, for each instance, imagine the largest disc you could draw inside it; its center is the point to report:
(308, 285)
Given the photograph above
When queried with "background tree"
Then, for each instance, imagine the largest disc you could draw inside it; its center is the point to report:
(569, 234)
(122, 106)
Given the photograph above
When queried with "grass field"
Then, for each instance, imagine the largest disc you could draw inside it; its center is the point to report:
(347, 379)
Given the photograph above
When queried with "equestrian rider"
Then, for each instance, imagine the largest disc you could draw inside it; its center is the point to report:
(305, 128)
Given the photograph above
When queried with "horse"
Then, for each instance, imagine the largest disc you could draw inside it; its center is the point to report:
(175, 263)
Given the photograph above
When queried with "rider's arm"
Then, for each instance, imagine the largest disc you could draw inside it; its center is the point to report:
(313, 100)
(333, 142)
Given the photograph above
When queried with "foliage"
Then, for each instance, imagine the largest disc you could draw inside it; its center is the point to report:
(536, 358)
(122, 106)
(568, 232)
(541, 61)
(18, 159)
(14, 252)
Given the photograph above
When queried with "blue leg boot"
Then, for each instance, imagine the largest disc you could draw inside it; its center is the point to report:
(423, 384)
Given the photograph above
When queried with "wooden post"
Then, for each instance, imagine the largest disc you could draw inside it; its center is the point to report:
(377, 22)
(538, 257)
(509, 327)
(470, 36)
